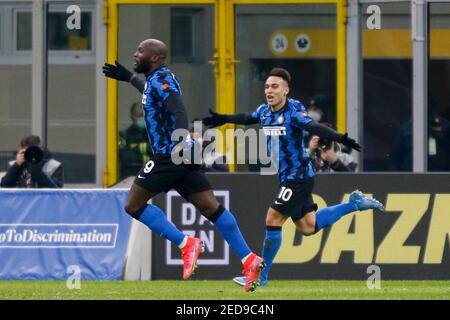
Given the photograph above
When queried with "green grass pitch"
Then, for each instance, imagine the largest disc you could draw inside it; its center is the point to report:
(223, 290)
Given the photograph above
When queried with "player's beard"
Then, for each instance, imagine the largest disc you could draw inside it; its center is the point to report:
(142, 67)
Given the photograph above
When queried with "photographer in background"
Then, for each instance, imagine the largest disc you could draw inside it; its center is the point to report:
(34, 167)
(327, 157)
(134, 148)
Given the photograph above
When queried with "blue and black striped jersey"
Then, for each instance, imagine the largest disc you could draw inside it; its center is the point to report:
(159, 121)
(287, 124)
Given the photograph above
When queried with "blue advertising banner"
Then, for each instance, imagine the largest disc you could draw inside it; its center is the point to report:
(44, 234)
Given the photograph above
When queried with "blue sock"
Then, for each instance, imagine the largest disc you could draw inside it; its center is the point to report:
(154, 218)
(272, 243)
(228, 228)
(327, 216)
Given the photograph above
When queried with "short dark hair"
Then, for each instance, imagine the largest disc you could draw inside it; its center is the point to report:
(30, 141)
(134, 106)
(282, 73)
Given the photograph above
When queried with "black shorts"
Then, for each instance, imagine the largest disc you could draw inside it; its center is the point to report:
(295, 198)
(162, 175)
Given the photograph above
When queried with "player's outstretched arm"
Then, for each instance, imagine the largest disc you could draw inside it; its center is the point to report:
(217, 119)
(119, 72)
(328, 133)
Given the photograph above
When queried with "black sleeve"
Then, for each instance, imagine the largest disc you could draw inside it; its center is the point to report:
(9, 180)
(175, 105)
(138, 83)
(322, 131)
(339, 166)
(352, 166)
(44, 181)
(240, 118)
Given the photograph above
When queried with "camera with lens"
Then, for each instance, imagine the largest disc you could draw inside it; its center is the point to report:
(33, 155)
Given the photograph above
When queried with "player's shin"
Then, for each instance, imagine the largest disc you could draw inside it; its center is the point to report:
(226, 223)
(154, 218)
(272, 243)
(327, 216)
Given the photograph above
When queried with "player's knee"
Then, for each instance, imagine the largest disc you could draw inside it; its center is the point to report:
(306, 229)
(132, 210)
(269, 221)
(207, 209)
(129, 209)
(308, 232)
(273, 221)
(204, 209)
